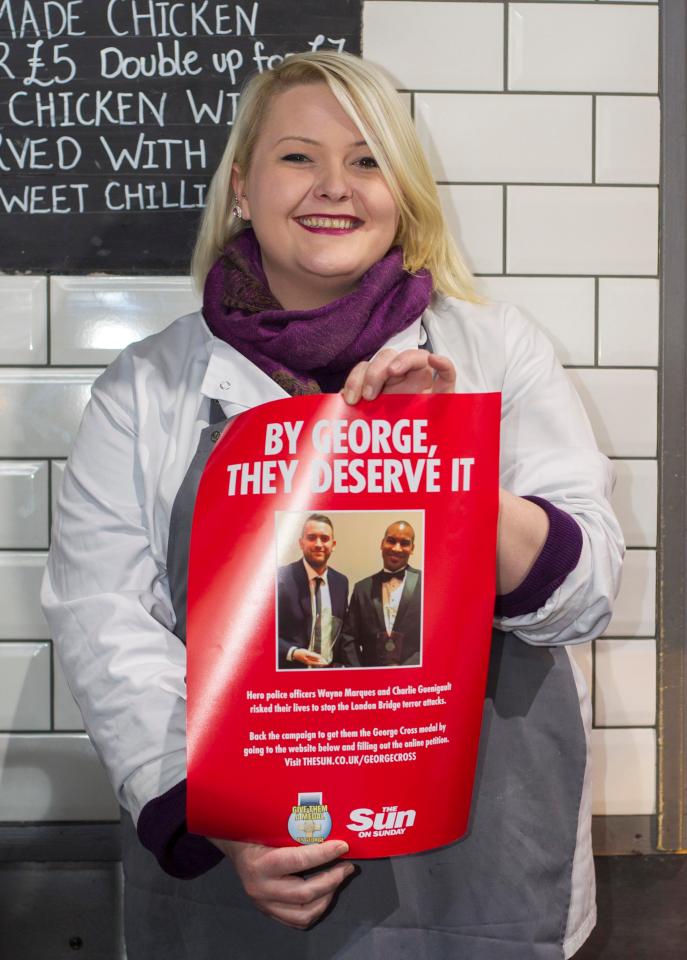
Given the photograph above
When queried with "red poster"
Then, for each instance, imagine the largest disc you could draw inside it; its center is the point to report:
(340, 603)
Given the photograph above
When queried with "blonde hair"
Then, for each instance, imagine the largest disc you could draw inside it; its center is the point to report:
(373, 105)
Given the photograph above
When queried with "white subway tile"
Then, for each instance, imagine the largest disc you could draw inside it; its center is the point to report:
(24, 686)
(625, 683)
(570, 47)
(407, 100)
(622, 406)
(53, 777)
(41, 410)
(23, 320)
(628, 322)
(67, 714)
(475, 218)
(489, 137)
(585, 230)
(436, 45)
(56, 480)
(624, 772)
(23, 503)
(634, 613)
(628, 139)
(562, 306)
(581, 653)
(20, 583)
(635, 500)
(93, 318)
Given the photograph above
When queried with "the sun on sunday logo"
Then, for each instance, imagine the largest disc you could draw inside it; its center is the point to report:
(309, 821)
(388, 822)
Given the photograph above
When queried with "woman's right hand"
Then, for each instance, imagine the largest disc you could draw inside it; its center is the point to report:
(411, 371)
(270, 877)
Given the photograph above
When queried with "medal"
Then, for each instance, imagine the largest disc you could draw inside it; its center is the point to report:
(389, 645)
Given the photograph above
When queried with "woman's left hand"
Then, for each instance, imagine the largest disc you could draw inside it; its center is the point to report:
(410, 371)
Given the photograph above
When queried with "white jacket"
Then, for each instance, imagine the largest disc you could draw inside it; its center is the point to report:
(105, 591)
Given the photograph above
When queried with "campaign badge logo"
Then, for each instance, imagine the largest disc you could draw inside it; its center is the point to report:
(310, 821)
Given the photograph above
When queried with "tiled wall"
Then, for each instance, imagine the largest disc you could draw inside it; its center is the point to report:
(541, 120)
(56, 335)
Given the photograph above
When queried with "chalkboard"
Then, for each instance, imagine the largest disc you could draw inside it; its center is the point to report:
(114, 114)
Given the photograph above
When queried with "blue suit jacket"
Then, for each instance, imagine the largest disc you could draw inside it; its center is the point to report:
(294, 607)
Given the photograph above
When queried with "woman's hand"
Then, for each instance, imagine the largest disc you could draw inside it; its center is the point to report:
(267, 875)
(410, 371)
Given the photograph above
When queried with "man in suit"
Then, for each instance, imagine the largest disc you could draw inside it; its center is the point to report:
(384, 622)
(311, 599)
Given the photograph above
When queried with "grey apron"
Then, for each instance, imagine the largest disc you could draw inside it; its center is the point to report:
(502, 893)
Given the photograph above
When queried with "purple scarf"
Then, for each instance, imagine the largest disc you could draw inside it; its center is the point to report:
(309, 351)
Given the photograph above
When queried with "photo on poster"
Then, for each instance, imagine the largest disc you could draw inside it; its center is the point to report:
(349, 588)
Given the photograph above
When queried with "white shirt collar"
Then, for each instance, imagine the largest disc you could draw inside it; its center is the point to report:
(312, 574)
(232, 379)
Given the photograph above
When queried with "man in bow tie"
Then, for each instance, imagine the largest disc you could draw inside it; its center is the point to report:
(384, 622)
(311, 599)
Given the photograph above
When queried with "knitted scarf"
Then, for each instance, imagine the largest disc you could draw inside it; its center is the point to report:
(309, 351)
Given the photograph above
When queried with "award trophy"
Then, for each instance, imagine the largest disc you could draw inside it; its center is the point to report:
(326, 651)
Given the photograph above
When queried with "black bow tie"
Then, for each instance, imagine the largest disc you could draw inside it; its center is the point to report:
(398, 575)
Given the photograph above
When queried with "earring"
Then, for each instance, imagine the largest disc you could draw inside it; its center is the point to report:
(236, 208)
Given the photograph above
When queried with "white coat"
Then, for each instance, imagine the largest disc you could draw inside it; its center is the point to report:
(105, 591)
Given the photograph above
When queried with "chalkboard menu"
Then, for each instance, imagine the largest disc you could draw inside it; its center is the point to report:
(114, 114)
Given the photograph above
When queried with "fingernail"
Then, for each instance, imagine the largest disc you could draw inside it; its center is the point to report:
(395, 366)
(349, 396)
(368, 393)
(341, 848)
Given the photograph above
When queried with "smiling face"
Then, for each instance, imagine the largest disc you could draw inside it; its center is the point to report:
(317, 542)
(320, 208)
(397, 546)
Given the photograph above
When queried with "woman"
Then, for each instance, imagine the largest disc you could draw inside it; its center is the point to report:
(345, 273)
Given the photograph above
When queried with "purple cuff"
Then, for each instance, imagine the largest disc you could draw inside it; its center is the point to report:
(162, 829)
(558, 557)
